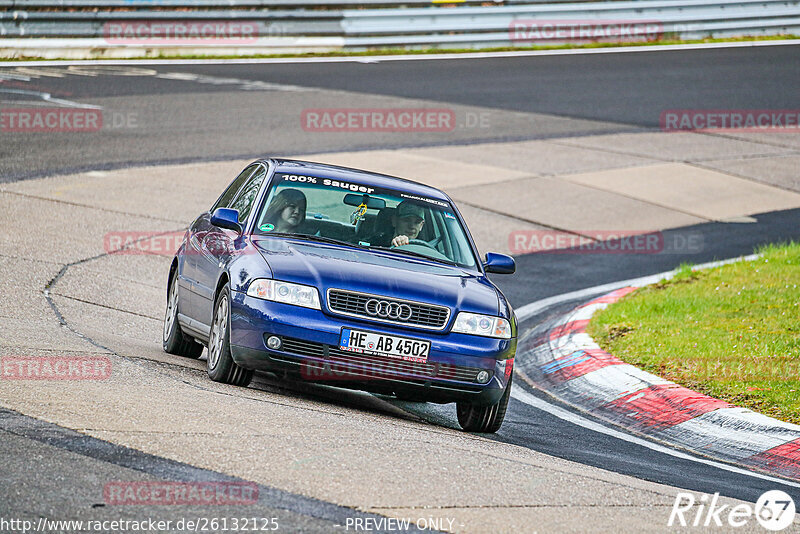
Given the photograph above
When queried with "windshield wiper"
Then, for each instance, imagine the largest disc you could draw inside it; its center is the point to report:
(321, 239)
(416, 255)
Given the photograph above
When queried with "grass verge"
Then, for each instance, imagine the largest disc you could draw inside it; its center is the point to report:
(732, 332)
(404, 51)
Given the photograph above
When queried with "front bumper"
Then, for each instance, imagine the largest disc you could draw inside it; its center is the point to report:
(310, 351)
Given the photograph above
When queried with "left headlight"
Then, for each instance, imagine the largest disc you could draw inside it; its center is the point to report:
(482, 325)
(285, 292)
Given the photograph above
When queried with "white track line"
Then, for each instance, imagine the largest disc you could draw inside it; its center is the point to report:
(409, 57)
(45, 97)
(571, 417)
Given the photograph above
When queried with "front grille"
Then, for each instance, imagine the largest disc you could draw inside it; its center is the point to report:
(422, 315)
(377, 366)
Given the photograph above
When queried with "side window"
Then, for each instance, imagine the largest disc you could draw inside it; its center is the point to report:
(247, 196)
(227, 197)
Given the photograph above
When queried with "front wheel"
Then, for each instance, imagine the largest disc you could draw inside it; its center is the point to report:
(221, 367)
(486, 419)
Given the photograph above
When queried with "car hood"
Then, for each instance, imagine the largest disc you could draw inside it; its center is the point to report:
(331, 266)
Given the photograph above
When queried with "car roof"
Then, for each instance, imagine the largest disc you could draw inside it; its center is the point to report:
(323, 170)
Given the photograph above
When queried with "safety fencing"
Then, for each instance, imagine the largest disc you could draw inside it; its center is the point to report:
(146, 27)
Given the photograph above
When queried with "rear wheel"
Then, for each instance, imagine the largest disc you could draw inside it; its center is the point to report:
(487, 419)
(221, 367)
(173, 340)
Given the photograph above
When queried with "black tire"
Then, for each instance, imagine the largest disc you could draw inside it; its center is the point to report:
(173, 340)
(407, 397)
(221, 367)
(485, 419)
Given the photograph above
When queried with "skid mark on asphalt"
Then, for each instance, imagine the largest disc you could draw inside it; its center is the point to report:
(84, 301)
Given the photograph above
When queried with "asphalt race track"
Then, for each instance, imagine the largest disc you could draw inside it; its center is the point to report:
(187, 114)
(209, 115)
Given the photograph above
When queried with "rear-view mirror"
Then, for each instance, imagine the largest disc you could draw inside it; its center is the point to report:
(373, 203)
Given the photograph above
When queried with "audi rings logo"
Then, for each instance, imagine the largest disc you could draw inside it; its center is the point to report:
(388, 310)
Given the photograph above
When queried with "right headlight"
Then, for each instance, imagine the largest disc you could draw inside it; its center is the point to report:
(482, 325)
(288, 293)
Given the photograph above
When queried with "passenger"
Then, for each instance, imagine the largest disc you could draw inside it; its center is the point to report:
(287, 211)
(407, 223)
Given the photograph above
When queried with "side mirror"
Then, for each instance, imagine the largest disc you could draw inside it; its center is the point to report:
(499, 264)
(226, 218)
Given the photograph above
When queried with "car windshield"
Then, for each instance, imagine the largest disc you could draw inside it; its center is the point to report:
(365, 216)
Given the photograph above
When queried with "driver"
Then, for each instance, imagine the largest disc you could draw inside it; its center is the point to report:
(407, 223)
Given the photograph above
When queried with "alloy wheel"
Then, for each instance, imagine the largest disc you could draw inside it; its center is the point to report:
(218, 333)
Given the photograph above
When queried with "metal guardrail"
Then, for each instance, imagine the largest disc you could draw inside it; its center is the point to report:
(95, 23)
(510, 25)
(282, 23)
(230, 4)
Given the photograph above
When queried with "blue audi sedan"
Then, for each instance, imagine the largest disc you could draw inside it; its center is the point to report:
(349, 278)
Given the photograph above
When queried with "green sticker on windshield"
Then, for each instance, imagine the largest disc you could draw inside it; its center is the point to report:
(266, 227)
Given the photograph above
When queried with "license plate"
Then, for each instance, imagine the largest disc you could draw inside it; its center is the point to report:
(412, 350)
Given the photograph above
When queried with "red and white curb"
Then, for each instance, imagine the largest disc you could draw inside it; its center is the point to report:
(566, 362)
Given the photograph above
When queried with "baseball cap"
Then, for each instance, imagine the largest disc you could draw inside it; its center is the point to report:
(407, 208)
